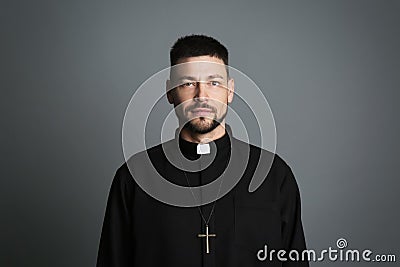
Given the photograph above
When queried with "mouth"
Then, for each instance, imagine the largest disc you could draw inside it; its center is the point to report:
(201, 111)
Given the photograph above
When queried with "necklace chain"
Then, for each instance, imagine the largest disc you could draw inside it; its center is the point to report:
(195, 199)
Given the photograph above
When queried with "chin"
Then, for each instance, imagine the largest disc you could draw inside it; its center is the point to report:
(202, 125)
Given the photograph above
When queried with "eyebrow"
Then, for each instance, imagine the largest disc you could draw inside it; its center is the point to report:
(194, 78)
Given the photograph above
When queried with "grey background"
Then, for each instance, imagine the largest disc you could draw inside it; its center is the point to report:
(329, 69)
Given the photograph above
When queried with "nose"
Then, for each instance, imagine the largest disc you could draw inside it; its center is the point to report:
(201, 90)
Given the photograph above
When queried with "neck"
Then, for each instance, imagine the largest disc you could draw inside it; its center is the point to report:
(190, 136)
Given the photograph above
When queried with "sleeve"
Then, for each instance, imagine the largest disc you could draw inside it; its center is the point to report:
(292, 230)
(116, 241)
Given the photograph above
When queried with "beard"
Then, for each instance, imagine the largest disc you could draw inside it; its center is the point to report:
(203, 125)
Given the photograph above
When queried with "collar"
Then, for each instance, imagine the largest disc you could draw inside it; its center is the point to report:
(189, 149)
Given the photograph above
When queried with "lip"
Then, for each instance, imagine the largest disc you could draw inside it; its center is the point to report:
(201, 111)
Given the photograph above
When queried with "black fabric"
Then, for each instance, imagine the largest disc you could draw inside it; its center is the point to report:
(139, 230)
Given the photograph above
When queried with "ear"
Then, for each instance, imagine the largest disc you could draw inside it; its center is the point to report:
(169, 90)
(231, 89)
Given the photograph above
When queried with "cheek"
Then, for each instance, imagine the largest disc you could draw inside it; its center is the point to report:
(221, 99)
(184, 105)
(180, 98)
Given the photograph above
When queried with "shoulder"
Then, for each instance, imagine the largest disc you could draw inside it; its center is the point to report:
(123, 178)
(267, 164)
(262, 154)
(140, 161)
(154, 151)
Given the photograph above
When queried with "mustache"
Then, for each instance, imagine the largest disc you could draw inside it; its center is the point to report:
(200, 106)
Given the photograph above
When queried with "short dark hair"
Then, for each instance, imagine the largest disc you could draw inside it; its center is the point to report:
(197, 45)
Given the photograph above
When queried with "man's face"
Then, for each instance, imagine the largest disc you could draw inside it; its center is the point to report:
(202, 91)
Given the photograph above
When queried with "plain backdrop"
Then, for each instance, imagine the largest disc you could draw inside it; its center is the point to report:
(329, 70)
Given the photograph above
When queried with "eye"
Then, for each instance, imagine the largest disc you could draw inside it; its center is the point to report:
(215, 83)
(189, 84)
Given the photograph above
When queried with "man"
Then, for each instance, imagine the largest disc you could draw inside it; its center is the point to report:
(233, 230)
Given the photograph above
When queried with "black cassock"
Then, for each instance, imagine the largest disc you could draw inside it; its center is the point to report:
(139, 230)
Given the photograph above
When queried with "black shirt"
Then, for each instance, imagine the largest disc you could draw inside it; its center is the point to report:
(139, 230)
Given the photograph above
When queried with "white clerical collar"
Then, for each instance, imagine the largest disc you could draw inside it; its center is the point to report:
(203, 148)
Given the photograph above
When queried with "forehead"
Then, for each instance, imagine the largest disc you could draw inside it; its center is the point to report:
(199, 68)
(201, 58)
